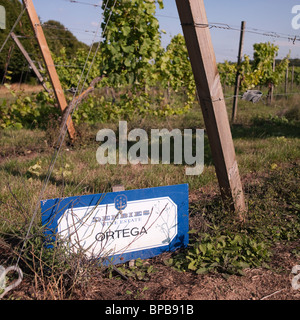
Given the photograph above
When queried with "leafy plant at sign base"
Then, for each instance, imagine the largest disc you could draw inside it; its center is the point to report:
(140, 271)
(228, 253)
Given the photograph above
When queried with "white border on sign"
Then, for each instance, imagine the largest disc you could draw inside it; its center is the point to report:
(90, 215)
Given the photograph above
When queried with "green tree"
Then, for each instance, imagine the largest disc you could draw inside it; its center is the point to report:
(227, 72)
(59, 37)
(70, 68)
(56, 34)
(17, 61)
(175, 68)
(131, 41)
(260, 71)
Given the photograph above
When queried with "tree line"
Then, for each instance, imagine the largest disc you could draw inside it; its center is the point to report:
(12, 59)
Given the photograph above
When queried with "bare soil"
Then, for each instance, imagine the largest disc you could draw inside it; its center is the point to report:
(19, 87)
(168, 284)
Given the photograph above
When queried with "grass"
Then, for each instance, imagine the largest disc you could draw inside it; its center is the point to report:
(267, 142)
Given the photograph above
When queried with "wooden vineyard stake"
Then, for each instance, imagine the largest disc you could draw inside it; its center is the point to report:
(58, 91)
(286, 80)
(209, 89)
(292, 80)
(32, 65)
(118, 187)
(10, 51)
(271, 86)
(238, 76)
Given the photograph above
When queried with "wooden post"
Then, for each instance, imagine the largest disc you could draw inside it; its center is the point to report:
(58, 91)
(238, 76)
(118, 188)
(198, 41)
(32, 65)
(271, 87)
(10, 51)
(292, 80)
(286, 80)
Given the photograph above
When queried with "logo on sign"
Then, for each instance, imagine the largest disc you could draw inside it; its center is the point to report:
(121, 202)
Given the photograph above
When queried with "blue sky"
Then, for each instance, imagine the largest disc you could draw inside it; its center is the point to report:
(268, 15)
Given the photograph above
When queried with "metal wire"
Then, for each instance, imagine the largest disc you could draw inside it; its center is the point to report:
(84, 3)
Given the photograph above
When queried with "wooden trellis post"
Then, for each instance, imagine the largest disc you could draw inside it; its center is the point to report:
(39, 34)
(30, 62)
(198, 41)
(238, 76)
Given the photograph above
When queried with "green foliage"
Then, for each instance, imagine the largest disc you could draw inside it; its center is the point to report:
(250, 77)
(128, 106)
(279, 197)
(293, 113)
(36, 110)
(264, 55)
(26, 111)
(175, 68)
(139, 293)
(227, 246)
(260, 71)
(140, 271)
(56, 34)
(271, 120)
(16, 64)
(58, 37)
(130, 57)
(70, 69)
(229, 253)
(227, 72)
(175, 65)
(131, 41)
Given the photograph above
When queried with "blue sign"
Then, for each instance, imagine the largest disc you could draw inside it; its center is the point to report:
(120, 226)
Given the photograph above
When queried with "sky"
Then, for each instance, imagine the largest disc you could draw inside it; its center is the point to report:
(266, 15)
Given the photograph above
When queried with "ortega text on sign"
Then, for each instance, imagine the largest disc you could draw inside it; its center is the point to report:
(122, 225)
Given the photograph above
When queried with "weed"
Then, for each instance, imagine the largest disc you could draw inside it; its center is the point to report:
(228, 253)
(139, 293)
(140, 271)
(221, 245)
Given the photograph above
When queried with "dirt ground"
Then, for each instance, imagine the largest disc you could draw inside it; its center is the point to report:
(168, 284)
(5, 93)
